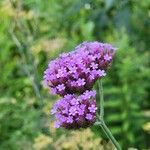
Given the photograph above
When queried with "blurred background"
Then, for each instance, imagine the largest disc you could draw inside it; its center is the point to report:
(32, 32)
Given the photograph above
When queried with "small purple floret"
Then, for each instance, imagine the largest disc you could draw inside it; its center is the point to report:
(92, 108)
(60, 87)
(89, 116)
(107, 57)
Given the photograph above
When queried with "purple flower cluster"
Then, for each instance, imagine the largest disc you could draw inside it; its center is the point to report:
(77, 71)
(72, 76)
(74, 112)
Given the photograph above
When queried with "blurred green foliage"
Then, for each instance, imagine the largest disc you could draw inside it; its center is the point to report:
(34, 31)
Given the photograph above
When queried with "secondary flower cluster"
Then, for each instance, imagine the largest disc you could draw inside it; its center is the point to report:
(73, 111)
(72, 76)
(77, 71)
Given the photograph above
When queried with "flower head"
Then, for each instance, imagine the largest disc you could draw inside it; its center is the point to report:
(73, 111)
(77, 71)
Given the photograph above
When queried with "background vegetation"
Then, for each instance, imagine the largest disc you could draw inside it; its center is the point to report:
(32, 32)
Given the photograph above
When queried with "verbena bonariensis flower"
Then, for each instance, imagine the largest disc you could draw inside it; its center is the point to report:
(77, 71)
(74, 111)
(72, 76)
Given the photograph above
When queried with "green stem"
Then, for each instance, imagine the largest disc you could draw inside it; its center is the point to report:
(101, 94)
(110, 136)
(101, 116)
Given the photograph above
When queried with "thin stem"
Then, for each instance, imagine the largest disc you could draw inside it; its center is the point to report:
(101, 94)
(110, 136)
(101, 116)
